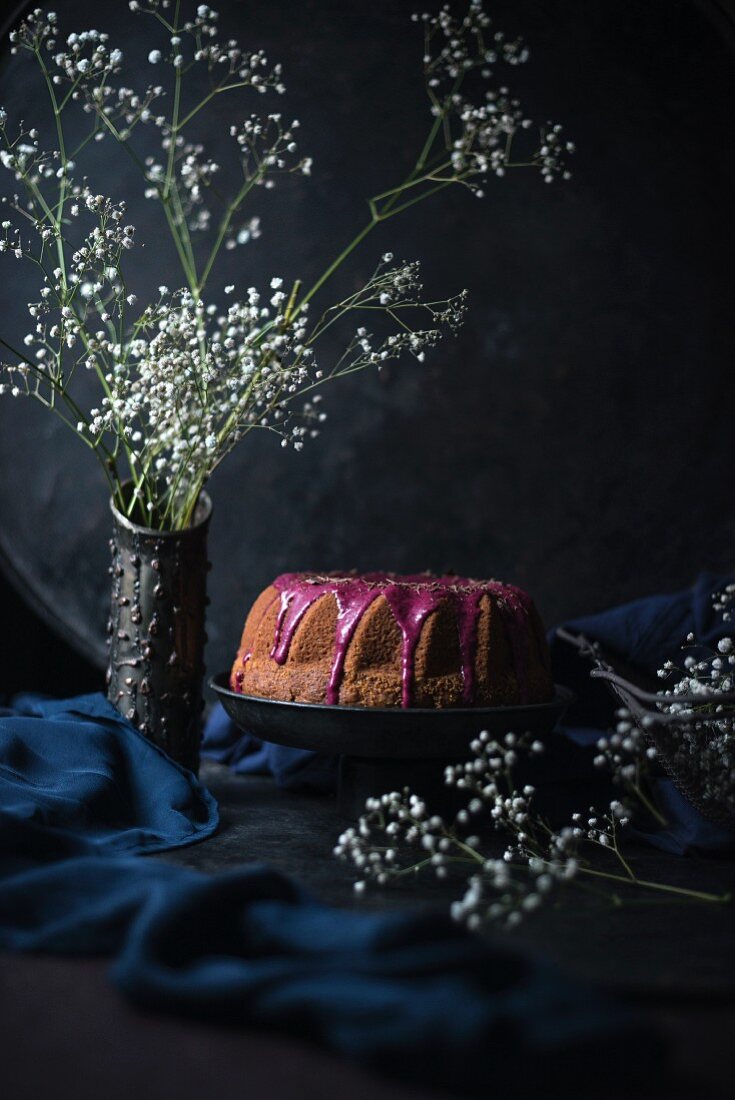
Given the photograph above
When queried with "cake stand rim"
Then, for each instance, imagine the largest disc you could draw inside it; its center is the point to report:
(372, 731)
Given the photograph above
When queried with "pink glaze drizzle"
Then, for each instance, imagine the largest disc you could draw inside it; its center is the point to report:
(411, 599)
(468, 610)
(411, 607)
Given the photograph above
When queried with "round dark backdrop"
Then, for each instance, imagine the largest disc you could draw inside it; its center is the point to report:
(572, 439)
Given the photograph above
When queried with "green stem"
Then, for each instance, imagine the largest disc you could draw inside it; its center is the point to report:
(407, 185)
(429, 143)
(223, 87)
(191, 271)
(180, 248)
(224, 226)
(174, 115)
(336, 263)
(62, 152)
(699, 895)
(643, 797)
(100, 451)
(187, 513)
(170, 220)
(418, 198)
(624, 862)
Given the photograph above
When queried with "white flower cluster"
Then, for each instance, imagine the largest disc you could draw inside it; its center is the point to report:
(480, 123)
(266, 149)
(266, 146)
(398, 835)
(697, 744)
(90, 282)
(118, 111)
(188, 383)
(37, 31)
(85, 56)
(185, 381)
(722, 602)
(26, 160)
(394, 291)
(184, 173)
(192, 382)
(600, 828)
(248, 230)
(625, 750)
(87, 62)
(181, 382)
(498, 896)
(10, 239)
(195, 174)
(226, 60)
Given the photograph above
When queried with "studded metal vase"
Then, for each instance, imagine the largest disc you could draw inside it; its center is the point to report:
(156, 630)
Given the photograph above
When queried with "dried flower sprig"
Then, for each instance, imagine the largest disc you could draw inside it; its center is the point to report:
(399, 836)
(699, 746)
(627, 754)
(722, 601)
(182, 380)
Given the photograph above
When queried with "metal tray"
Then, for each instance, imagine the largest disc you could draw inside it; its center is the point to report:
(383, 732)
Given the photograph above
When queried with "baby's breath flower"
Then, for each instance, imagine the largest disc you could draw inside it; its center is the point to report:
(500, 889)
(184, 379)
(697, 743)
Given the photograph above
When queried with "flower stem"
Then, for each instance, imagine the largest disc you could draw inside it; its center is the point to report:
(337, 263)
(652, 809)
(699, 895)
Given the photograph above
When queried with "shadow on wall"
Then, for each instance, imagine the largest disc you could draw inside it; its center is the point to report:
(34, 658)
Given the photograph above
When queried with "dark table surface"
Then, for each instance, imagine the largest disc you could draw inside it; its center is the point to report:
(650, 946)
(67, 1033)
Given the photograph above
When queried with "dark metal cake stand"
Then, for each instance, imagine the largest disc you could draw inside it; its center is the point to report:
(385, 748)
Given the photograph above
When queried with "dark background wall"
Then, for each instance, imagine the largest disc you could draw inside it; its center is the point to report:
(575, 438)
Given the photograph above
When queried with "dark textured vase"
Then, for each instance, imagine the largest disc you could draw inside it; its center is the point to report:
(156, 630)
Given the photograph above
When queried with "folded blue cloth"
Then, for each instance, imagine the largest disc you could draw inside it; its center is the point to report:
(644, 633)
(78, 776)
(81, 792)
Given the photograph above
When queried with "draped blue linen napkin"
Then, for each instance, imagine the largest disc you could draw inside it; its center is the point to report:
(83, 796)
(645, 633)
(77, 775)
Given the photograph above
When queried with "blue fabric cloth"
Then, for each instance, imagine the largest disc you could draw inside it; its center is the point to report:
(77, 776)
(687, 830)
(82, 795)
(292, 769)
(644, 633)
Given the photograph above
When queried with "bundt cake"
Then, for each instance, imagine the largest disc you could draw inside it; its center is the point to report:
(383, 640)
